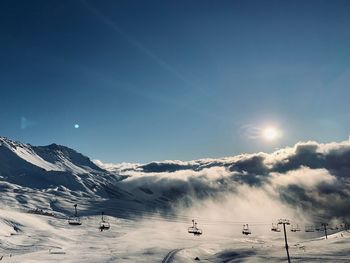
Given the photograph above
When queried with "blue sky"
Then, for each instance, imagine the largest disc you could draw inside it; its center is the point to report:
(154, 80)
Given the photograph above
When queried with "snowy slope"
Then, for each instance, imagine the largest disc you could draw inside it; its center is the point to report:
(66, 159)
(35, 238)
(50, 158)
(49, 167)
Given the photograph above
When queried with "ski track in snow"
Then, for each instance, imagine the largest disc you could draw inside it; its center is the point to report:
(170, 256)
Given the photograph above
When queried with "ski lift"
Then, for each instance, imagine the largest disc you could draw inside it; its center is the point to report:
(309, 229)
(74, 220)
(246, 231)
(283, 222)
(295, 228)
(104, 224)
(333, 228)
(194, 229)
(275, 228)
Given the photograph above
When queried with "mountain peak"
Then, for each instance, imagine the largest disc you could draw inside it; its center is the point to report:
(34, 162)
(10, 143)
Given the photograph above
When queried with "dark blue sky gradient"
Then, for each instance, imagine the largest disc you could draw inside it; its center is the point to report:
(154, 80)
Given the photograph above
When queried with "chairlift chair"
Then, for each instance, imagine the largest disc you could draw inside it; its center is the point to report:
(74, 220)
(194, 229)
(275, 228)
(104, 224)
(309, 229)
(295, 228)
(246, 231)
(334, 228)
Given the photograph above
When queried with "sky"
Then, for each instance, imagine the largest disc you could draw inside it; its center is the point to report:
(137, 81)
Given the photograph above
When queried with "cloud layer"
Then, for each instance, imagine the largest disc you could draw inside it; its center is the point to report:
(310, 178)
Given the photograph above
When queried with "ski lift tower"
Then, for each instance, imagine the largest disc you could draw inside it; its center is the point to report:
(285, 222)
(325, 229)
(75, 209)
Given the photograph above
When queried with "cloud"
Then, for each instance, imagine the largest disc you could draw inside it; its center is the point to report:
(250, 131)
(304, 177)
(311, 178)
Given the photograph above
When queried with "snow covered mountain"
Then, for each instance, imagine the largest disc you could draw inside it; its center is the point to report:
(49, 166)
(50, 158)
(53, 177)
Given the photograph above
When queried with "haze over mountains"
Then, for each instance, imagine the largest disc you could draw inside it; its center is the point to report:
(309, 179)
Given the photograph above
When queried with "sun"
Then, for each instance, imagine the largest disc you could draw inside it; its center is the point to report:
(271, 133)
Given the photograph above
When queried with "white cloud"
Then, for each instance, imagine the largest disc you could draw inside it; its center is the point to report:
(303, 177)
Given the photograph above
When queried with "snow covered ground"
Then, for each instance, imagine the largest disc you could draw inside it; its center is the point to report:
(36, 238)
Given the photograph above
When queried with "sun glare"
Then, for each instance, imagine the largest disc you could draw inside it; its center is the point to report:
(271, 133)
